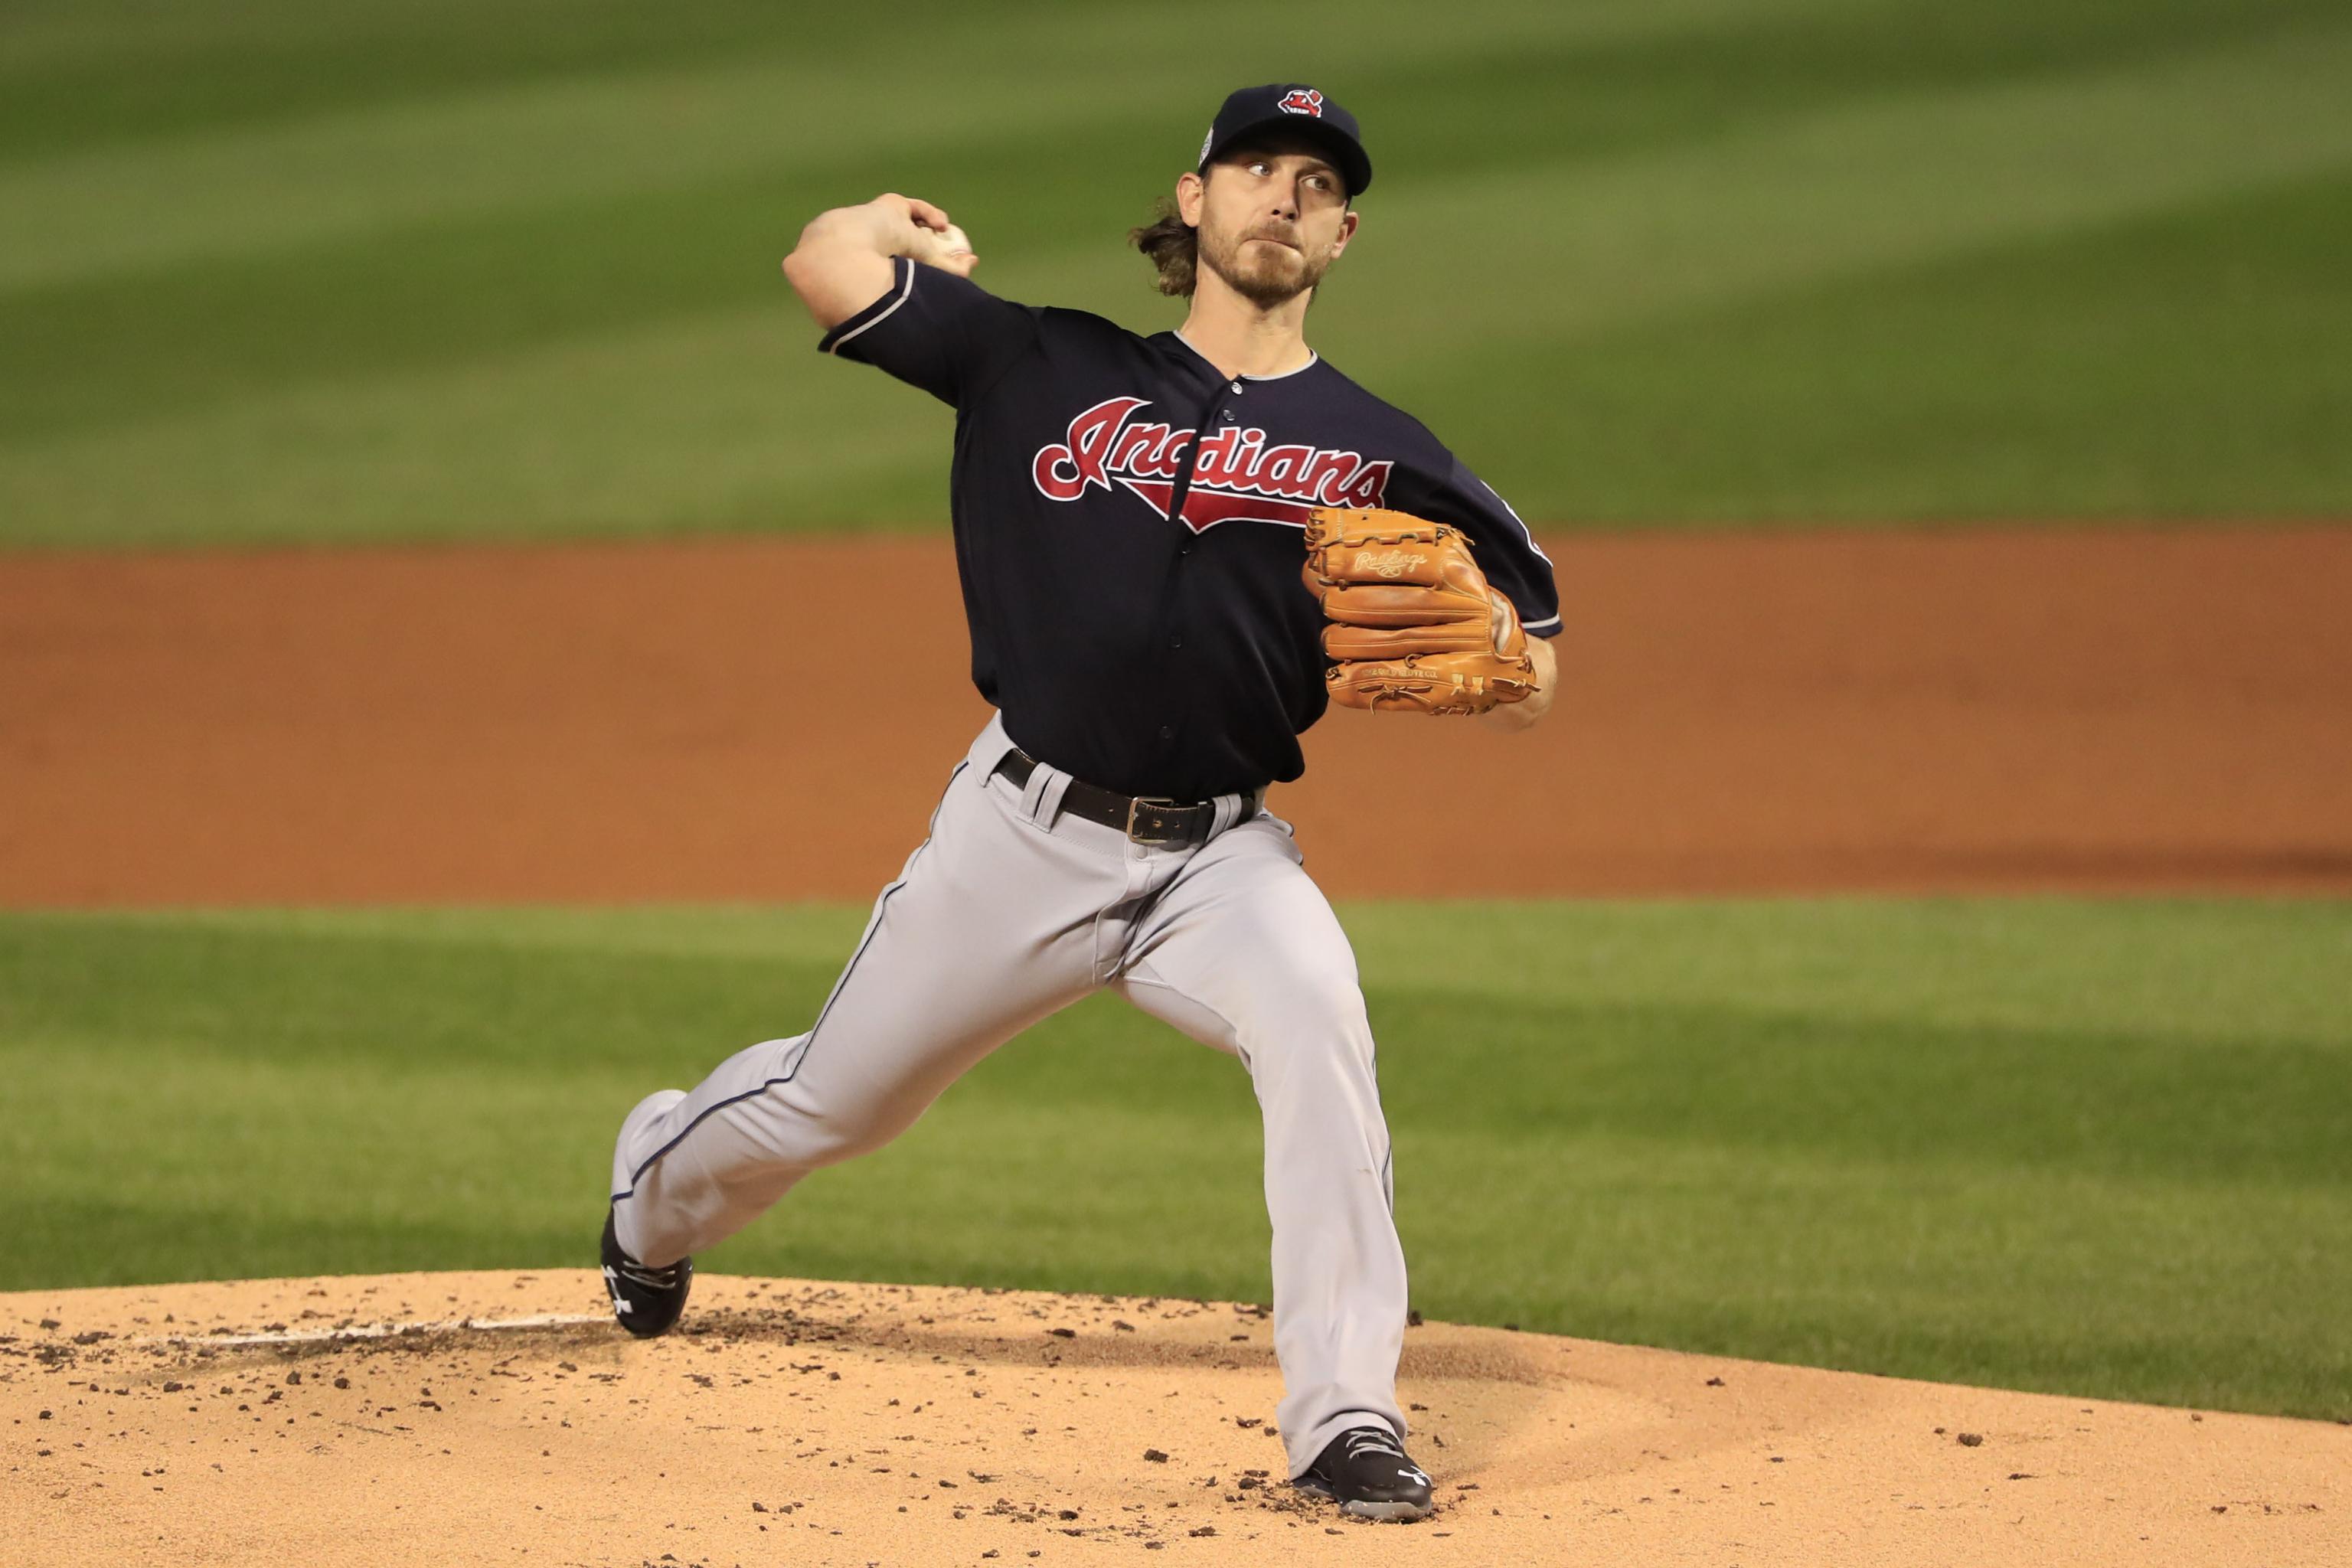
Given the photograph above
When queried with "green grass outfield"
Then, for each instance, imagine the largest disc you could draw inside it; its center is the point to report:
(279, 271)
(2098, 1147)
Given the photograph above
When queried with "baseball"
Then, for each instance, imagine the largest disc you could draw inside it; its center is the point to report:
(952, 241)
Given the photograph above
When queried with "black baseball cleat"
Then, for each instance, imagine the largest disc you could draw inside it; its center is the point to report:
(647, 1300)
(1366, 1471)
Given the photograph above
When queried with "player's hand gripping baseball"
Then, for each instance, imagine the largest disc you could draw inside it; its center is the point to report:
(843, 262)
(1415, 624)
(938, 242)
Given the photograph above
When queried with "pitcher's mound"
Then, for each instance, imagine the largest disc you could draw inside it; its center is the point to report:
(503, 1418)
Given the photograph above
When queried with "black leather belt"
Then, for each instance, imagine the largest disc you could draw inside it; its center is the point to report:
(1145, 819)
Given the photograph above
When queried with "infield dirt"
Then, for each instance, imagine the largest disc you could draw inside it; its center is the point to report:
(846, 1425)
(1984, 711)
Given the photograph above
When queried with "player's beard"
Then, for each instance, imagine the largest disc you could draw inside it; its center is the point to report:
(1264, 275)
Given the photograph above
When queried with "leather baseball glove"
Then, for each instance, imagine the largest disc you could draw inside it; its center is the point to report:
(1415, 624)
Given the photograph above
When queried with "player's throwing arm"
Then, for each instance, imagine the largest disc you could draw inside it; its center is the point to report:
(843, 262)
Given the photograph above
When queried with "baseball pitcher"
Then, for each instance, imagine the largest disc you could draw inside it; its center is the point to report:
(1175, 551)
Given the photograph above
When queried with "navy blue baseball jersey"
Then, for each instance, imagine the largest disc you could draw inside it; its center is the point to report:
(1127, 530)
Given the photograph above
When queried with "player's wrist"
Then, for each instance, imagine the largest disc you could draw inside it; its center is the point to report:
(1543, 684)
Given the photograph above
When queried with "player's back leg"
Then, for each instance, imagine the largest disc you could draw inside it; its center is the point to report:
(989, 928)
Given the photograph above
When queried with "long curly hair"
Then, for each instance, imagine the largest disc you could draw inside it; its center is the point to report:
(1173, 245)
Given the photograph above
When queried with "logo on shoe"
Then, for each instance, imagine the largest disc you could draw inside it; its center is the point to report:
(1237, 477)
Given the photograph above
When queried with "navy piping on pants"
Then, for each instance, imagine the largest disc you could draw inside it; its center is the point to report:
(880, 907)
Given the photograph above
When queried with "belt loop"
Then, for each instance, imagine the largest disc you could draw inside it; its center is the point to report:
(992, 746)
(1033, 795)
(1049, 797)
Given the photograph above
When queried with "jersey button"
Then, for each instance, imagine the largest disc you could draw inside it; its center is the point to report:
(1167, 732)
(1237, 387)
(1176, 642)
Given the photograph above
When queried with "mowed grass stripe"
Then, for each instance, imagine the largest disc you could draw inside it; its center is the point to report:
(2074, 1145)
(2128, 371)
(108, 348)
(514, 150)
(2181, 1293)
(83, 74)
(723, 419)
(708, 425)
(1882, 183)
(1640, 230)
(976, 78)
(2158, 969)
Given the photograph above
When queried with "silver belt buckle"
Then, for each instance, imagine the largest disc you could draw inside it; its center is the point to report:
(1143, 800)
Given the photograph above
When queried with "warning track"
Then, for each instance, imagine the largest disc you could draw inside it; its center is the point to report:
(2116, 711)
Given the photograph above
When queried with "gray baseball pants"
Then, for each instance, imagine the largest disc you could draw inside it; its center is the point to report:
(1008, 913)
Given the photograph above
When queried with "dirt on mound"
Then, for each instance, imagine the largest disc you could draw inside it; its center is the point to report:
(503, 1418)
(1987, 711)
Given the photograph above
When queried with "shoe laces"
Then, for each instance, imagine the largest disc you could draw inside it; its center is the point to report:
(652, 1278)
(1374, 1440)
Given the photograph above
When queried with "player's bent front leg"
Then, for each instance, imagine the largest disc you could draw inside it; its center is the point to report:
(1244, 953)
(976, 941)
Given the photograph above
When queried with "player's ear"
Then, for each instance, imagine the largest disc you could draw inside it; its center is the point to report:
(1347, 231)
(1192, 195)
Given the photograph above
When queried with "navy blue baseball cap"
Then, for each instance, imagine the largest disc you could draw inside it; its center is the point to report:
(1296, 107)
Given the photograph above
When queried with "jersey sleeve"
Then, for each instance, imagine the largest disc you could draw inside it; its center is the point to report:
(1504, 548)
(938, 331)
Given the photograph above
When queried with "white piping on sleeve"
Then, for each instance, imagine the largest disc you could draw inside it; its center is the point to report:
(1521, 520)
(905, 289)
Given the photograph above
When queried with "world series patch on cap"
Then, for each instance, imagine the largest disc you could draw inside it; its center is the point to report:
(1298, 107)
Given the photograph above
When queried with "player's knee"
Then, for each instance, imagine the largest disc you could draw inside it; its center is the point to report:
(1317, 1028)
(793, 1130)
(835, 1141)
(1313, 967)
(1326, 991)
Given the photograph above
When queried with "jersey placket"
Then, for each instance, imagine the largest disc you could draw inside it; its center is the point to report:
(1174, 691)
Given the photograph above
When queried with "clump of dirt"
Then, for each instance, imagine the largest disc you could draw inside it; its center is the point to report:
(503, 1417)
